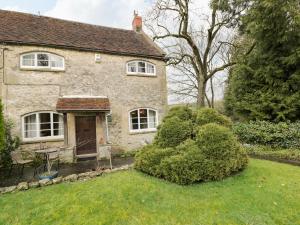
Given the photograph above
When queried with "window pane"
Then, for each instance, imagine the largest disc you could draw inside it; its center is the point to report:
(28, 60)
(43, 60)
(56, 61)
(142, 67)
(30, 126)
(134, 114)
(135, 126)
(132, 67)
(144, 126)
(143, 113)
(58, 132)
(45, 124)
(45, 133)
(152, 119)
(150, 68)
(134, 120)
(58, 124)
(143, 119)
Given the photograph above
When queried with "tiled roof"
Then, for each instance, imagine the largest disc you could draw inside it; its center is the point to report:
(22, 28)
(93, 103)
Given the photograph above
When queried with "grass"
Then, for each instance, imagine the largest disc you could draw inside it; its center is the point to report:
(265, 193)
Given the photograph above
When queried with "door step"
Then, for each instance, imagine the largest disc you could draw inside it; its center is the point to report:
(86, 156)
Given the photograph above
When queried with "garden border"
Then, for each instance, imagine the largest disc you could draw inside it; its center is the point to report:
(23, 186)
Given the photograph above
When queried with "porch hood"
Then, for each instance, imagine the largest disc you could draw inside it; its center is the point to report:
(82, 104)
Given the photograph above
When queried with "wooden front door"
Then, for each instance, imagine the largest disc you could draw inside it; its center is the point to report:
(85, 134)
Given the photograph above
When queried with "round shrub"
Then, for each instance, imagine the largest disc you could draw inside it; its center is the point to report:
(172, 132)
(184, 167)
(180, 156)
(182, 112)
(223, 153)
(217, 142)
(149, 157)
(209, 115)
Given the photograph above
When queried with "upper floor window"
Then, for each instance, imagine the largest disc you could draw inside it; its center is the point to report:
(141, 68)
(42, 60)
(143, 119)
(42, 125)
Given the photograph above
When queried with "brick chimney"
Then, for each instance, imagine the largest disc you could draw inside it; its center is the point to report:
(137, 22)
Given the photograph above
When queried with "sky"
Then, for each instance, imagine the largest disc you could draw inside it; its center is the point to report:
(113, 13)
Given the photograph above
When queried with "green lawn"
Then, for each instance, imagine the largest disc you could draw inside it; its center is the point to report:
(265, 193)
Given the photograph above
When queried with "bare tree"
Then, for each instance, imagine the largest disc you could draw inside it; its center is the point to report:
(198, 45)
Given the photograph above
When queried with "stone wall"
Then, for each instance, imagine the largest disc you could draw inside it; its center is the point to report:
(25, 91)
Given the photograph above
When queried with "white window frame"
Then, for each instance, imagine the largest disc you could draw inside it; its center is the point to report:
(38, 138)
(137, 70)
(36, 67)
(146, 129)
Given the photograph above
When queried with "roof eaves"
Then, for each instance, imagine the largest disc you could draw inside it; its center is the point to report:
(159, 57)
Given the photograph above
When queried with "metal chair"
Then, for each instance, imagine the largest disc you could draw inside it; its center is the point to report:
(105, 152)
(54, 156)
(19, 161)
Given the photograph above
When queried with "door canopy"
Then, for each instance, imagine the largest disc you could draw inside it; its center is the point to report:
(82, 104)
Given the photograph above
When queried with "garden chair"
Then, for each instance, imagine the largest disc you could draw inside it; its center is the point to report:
(53, 156)
(19, 161)
(105, 152)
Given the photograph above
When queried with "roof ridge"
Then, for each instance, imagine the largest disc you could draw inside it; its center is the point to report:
(66, 20)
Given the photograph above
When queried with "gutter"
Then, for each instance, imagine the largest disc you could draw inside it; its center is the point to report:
(158, 57)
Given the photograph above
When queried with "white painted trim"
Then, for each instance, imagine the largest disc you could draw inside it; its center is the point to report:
(82, 96)
(38, 138)
(142, 130)
(139, 73)
(36, 67)
(107, 130)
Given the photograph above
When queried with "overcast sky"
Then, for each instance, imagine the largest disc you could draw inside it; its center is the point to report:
(114, 13)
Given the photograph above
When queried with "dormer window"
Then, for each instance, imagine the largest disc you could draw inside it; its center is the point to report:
(141, 68)
(42, 60)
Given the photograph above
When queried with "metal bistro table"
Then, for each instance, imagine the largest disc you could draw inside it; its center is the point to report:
(47, 152)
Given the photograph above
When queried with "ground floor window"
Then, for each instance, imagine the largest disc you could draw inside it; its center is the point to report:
(143, 119)
(42, 125)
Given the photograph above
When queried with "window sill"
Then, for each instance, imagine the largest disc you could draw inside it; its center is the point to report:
(142, 131)
(37, 140)
(42, 69)
(141, 75)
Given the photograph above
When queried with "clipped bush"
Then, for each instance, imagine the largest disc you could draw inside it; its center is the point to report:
(209, 115)
(284, 135)
(172, 132)
(184, 167)
(217, 142)
(223, 153)
(183, 156)
(149, 157)
(268, 152)
(182, 112)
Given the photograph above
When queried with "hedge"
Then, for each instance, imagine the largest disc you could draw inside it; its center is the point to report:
(284, 135)
(274, 153)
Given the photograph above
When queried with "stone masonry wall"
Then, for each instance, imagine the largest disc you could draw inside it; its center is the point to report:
(26, 91)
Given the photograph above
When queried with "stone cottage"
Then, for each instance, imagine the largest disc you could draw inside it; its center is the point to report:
(73, 84)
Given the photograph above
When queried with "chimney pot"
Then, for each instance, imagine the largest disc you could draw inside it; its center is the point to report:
(137, 22)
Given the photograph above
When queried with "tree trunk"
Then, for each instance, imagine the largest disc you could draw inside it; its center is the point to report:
(201, 93)
(212, 93)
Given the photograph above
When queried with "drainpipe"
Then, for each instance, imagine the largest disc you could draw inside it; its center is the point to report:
(3, 75)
